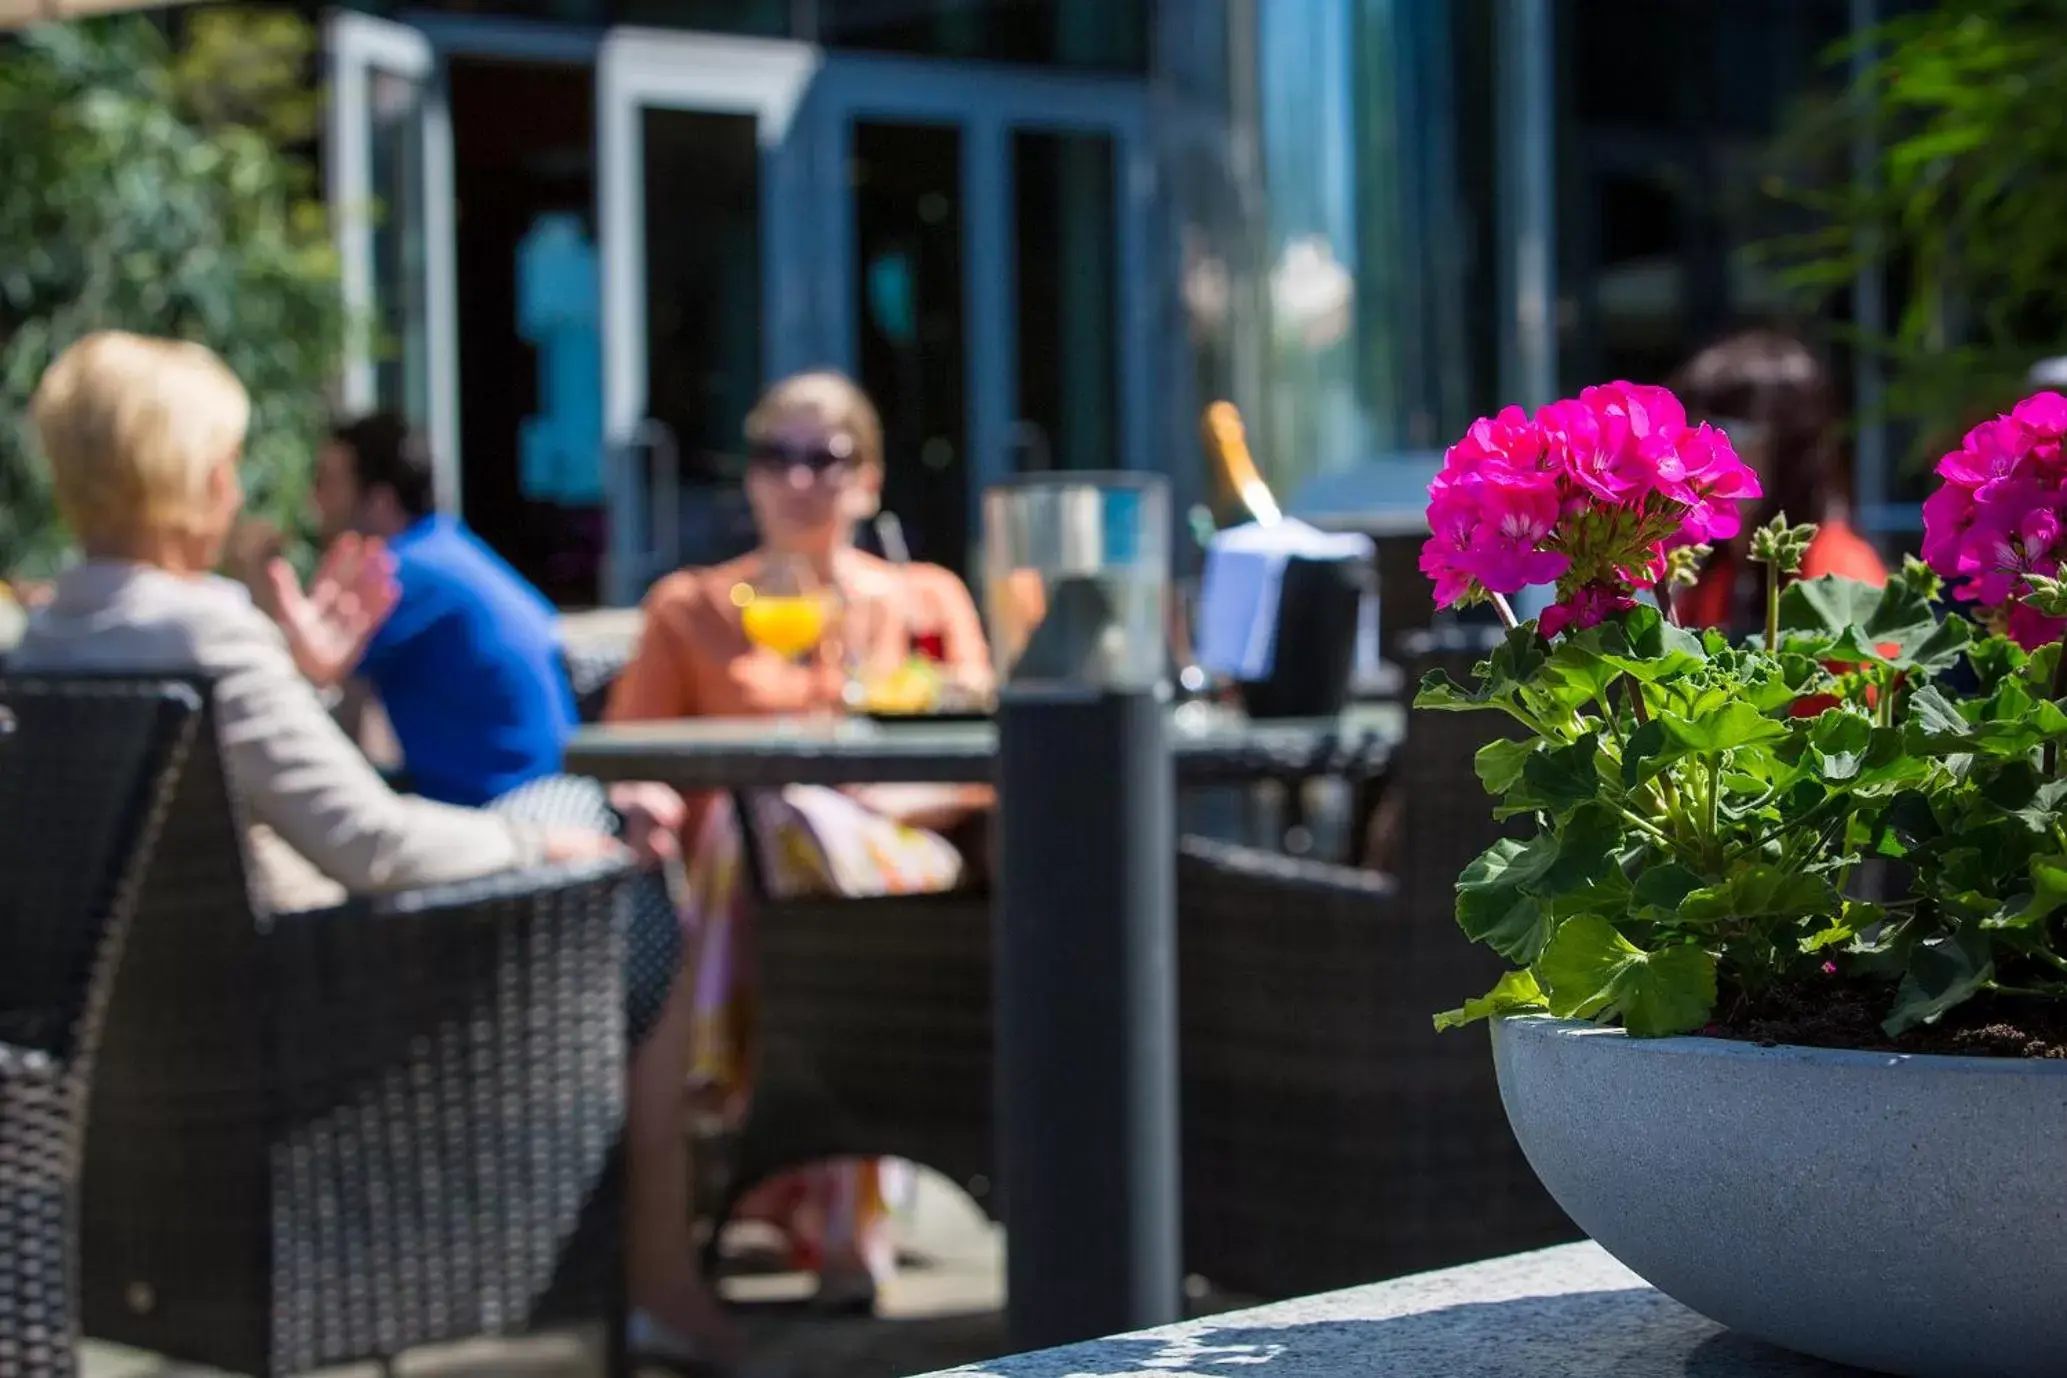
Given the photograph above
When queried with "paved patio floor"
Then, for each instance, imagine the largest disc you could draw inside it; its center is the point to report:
(941, 1313)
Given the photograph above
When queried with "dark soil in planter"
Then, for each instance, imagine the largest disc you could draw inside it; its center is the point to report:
(1837, 1014)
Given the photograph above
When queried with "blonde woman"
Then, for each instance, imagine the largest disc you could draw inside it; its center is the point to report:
(143, 439)
(815, 471)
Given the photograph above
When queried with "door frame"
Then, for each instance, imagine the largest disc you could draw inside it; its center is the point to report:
(639, 69)
(355, 46)
(988, 103)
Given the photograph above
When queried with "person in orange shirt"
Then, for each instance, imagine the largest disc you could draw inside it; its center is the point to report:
(815, 471)
(1774, 397)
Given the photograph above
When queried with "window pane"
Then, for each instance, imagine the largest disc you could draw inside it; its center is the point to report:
(907, 187)
(1662, 206)
(1068, 318)
(1104, 35)
(762, 18)
(401, 350)
(703, 311)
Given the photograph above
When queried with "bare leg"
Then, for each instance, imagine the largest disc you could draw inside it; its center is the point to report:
(665, 1276)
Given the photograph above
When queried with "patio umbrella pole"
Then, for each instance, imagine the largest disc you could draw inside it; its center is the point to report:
(1086, 1010)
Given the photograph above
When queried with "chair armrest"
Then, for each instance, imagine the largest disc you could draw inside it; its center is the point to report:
(496, 970)
(499, 887)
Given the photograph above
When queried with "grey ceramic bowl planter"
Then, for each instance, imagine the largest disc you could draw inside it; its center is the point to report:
(1903, 1214)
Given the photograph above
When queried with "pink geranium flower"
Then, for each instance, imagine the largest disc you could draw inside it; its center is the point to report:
(1998, 517)
(1584, 607)
(1509, 551)
(1587, 495)
(2043, 413)
(2031, 629)
(1595, 449)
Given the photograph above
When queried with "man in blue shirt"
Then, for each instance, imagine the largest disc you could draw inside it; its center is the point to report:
(468, 664)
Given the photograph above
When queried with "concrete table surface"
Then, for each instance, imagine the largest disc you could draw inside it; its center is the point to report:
(1568, 1312)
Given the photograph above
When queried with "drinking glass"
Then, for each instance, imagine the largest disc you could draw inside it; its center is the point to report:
(787, 610)
(784, 610)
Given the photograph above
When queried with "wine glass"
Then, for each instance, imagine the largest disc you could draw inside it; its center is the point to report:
(784, 610)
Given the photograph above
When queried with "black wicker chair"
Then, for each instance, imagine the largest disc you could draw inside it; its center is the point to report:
(327, 1137)
(874, 1035)
(591, 670)
(1331, 1137)
(85, 772)
(1352, 1142)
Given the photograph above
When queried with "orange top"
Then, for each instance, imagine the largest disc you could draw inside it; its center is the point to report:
(1836, 549)
(693, 658)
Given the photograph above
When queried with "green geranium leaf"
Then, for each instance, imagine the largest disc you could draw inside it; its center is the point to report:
(1944, 971)
(1937, 717)
(1759, 891)
(1590, 970)
(1558, 781)
(1493, 906)
(1438, 691)
(1839, 740)
(1826, 608)
(1517, 660)
(1577, 675)
(1673, 992)
(1839, 932)
(1514, 993)
(1589, 845)
(2048, 889)
(1994, 659)
(1664, 888)
(1608, 896)
(1646, 754)
(1734, 725)
(1499, 763)
(2042, 811)
(1845, 620)
(1940, 650)
(1644, 646)
(1580, 964)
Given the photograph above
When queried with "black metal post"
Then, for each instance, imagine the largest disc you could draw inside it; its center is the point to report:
(1086, 1010)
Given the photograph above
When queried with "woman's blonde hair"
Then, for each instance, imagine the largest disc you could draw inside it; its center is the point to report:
(132, 428)
(827, 399)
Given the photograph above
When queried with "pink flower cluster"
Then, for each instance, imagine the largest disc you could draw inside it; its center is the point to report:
(1588, 494)
(1998, 516)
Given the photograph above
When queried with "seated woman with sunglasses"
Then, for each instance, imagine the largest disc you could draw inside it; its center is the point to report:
(815, 473)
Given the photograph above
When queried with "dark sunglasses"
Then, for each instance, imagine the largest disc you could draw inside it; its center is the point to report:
(834, 452)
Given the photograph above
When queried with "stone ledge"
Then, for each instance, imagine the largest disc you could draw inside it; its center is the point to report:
(1568, 1312)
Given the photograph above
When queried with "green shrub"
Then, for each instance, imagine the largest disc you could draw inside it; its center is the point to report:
(161, 188)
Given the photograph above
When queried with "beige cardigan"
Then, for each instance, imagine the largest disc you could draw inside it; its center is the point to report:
(324, 821)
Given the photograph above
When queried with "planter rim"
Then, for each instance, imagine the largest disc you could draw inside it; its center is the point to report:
(1694, 1045)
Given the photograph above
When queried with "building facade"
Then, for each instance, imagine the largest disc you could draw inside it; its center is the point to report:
(1042, 233)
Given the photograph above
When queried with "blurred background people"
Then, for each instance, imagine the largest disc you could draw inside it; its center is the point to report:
(785, 630)
(1775, 398)
(143, 438)
(467, 665)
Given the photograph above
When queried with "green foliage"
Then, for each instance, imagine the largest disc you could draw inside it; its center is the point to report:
(1702, 810)
(1966, 200)
(155, 190)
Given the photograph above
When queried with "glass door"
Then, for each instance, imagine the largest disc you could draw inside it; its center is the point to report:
(388, 159)
(982, 236)
(700, 207)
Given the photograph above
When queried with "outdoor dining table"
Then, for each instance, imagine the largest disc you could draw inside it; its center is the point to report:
(1207, 746)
